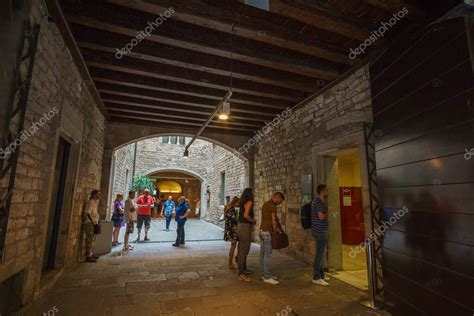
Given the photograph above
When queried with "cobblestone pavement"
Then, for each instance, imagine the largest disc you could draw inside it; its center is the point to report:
(198, 230)
(158, 279)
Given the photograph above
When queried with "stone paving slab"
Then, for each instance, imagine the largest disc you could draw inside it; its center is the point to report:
(195, 230)
(158, 279)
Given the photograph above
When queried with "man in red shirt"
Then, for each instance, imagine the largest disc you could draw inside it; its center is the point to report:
(144, 202)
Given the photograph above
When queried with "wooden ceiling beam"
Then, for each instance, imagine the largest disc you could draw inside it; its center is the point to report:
(149, 69)
(189, 111)
(161, 119)
(175, 98)
(133, 112)
(394, 6)
(116, 95)
(117, 19)
(108, 42)
(182, 126)
(131, 80)
(247, 23)
(319, 19)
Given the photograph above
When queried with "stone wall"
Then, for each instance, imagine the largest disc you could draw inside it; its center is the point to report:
(206, 161)
(284, 154)
(124, 169)
(58, 89)
(228, 163)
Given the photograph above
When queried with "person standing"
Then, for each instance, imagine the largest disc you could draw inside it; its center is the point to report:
(144, 202)
(269, 224)
(230, 232)
(117, 218)
(168, 210)
(182, 213)
(244, 232)
(130, 217)
(319, 230)
(90, 217)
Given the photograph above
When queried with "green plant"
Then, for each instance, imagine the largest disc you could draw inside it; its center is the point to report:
(140, 183)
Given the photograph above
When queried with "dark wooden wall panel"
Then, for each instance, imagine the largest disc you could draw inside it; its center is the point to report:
(423, 108)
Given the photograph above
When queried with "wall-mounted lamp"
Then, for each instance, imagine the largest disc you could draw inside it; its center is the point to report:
(186, 154)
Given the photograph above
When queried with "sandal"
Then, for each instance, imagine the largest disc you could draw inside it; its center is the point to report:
(243, 277)
(232, 266)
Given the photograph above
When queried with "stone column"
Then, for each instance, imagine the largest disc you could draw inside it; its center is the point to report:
(106, 182)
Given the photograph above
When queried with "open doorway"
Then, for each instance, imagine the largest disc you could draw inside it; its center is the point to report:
(176, 184)
(346, 258)
(57, 197)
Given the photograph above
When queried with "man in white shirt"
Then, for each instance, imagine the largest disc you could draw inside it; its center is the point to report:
(90, 217)
(130, 217)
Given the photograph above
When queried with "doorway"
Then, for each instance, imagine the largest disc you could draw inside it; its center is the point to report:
(346, 256)
(57, 198)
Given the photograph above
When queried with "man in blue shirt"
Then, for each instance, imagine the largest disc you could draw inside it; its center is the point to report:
(168, 210)
(182, 212)
(319, 230)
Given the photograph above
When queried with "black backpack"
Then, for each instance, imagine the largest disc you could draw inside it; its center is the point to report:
(305, 215)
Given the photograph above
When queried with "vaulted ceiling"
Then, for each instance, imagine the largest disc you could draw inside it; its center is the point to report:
(179, 73)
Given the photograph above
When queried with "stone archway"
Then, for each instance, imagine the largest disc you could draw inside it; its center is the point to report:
(210, 161)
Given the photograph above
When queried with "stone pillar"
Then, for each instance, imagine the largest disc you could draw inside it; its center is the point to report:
(106, 182)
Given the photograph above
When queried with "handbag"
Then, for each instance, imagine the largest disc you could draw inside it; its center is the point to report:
(96, 226)
(280, 240)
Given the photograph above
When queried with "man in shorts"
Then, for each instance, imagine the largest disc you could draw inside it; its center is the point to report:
(129, 217)
(144, 202)
(90, 217)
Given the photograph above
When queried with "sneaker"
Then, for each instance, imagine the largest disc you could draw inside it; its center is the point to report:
(327, 278)
(91, 259)
(320, 282)
(273, 277)
(271, 281)
(175, 245)
(147, 239)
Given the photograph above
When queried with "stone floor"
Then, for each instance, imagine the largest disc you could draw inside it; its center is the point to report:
(197, 230)
(158, 279)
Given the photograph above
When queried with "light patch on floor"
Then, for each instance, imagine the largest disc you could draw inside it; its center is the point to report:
(354, 268)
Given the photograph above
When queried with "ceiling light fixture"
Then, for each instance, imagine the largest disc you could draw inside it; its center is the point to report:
(225, 110)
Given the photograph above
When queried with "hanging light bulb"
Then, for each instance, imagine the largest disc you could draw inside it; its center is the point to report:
(225, 110)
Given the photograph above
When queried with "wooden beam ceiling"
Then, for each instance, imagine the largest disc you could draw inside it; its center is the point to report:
(167, 72)
(319, 19)
(179, 72)
(92, 39)
(247, 23)
(117, 19)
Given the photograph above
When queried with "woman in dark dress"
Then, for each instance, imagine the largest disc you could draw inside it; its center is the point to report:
(230, 232)
(244, 231)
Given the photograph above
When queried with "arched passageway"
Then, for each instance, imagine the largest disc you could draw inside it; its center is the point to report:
(210, 173)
